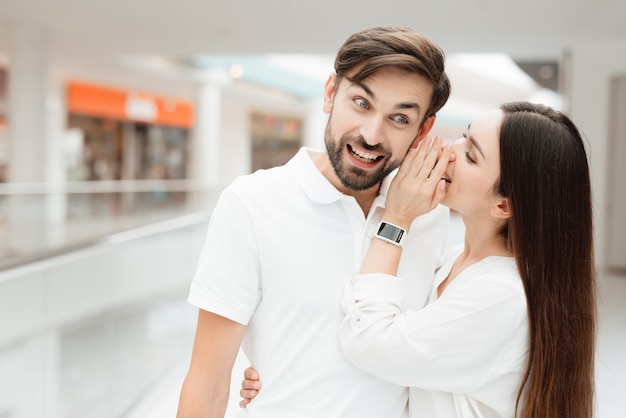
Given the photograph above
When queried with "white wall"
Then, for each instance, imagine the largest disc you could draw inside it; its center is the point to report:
(616, 234)
(591, 67)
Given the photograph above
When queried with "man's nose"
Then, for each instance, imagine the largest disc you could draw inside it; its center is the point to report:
(373, 132)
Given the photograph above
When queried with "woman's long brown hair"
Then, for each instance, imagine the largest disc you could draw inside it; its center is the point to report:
(545, 175)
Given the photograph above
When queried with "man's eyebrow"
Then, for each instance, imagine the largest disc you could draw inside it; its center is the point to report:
(407, 105)
(366, 88)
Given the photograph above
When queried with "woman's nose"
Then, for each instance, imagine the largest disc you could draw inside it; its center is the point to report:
(454, 149)
(458, 141)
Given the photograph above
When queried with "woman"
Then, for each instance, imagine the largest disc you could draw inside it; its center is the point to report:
(509, 328)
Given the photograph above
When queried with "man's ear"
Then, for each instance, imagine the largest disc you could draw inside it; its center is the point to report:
(502, 209)
(424, 129)
(329, 93)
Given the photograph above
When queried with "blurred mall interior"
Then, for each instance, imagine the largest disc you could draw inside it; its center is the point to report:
(120, 123)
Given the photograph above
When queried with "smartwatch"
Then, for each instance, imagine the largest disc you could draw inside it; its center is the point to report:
(391, 233)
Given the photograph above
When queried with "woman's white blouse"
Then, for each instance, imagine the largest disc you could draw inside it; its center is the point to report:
(462, 355)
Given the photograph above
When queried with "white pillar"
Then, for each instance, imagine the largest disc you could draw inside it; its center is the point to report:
(590, 69)
(36, 141)
(206, 132)
(315, 125)
(56, 135)
(29, 72)
(208, 128)
(55, 157)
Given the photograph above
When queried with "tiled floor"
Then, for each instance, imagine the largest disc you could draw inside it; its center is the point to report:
(99, 367)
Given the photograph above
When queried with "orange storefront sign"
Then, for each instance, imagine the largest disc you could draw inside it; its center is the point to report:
(95, 100)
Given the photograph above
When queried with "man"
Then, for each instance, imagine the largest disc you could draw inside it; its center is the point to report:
(282, 242)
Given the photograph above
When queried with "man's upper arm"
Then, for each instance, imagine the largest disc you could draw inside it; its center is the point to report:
(206, 387)
(216, 343)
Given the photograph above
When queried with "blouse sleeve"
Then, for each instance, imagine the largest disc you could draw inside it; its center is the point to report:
(453, 344)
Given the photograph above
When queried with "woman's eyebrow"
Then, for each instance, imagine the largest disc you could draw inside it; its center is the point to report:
(476, 145)
(473, 141)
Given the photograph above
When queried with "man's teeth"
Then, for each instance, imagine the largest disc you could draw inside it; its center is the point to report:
(364, 155)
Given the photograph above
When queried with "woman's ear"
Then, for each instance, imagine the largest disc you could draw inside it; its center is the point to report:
(502, 209)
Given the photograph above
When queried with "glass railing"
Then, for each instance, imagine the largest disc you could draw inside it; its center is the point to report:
(98, 329)
(39, 220)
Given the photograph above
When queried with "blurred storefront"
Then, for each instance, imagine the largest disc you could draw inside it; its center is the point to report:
(115, 134)
(275, 139)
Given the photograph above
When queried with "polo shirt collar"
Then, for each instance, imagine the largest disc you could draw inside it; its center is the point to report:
(306, 174)
(316, 186)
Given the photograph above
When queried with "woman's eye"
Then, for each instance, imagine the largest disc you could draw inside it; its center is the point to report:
(361, 103)
(469, 158)
(401, 119)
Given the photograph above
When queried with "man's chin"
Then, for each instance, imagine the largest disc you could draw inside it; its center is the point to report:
(358, 183)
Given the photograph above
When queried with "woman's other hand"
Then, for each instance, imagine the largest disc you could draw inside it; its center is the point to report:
(250, 386)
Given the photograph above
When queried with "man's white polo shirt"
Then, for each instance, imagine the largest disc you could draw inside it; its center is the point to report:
(281, 245)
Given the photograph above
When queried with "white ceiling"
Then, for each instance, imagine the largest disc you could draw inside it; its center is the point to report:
(521, 28)
(105, 38)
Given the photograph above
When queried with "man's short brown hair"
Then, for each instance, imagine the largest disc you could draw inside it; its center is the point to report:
(390, 46)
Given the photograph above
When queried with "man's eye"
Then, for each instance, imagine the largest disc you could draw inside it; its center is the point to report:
(401, 119)
(361, 103)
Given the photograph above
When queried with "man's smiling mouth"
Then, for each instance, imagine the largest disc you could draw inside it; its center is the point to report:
(366, 157)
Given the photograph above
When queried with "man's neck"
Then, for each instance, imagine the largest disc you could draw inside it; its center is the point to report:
(365, 198)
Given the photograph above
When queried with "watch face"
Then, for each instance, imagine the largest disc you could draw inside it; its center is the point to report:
(390, 232)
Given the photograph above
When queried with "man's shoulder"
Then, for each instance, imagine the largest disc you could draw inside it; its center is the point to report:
(268, 178)
(296, 175)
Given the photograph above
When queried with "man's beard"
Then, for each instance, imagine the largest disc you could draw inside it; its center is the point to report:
(353, 177)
